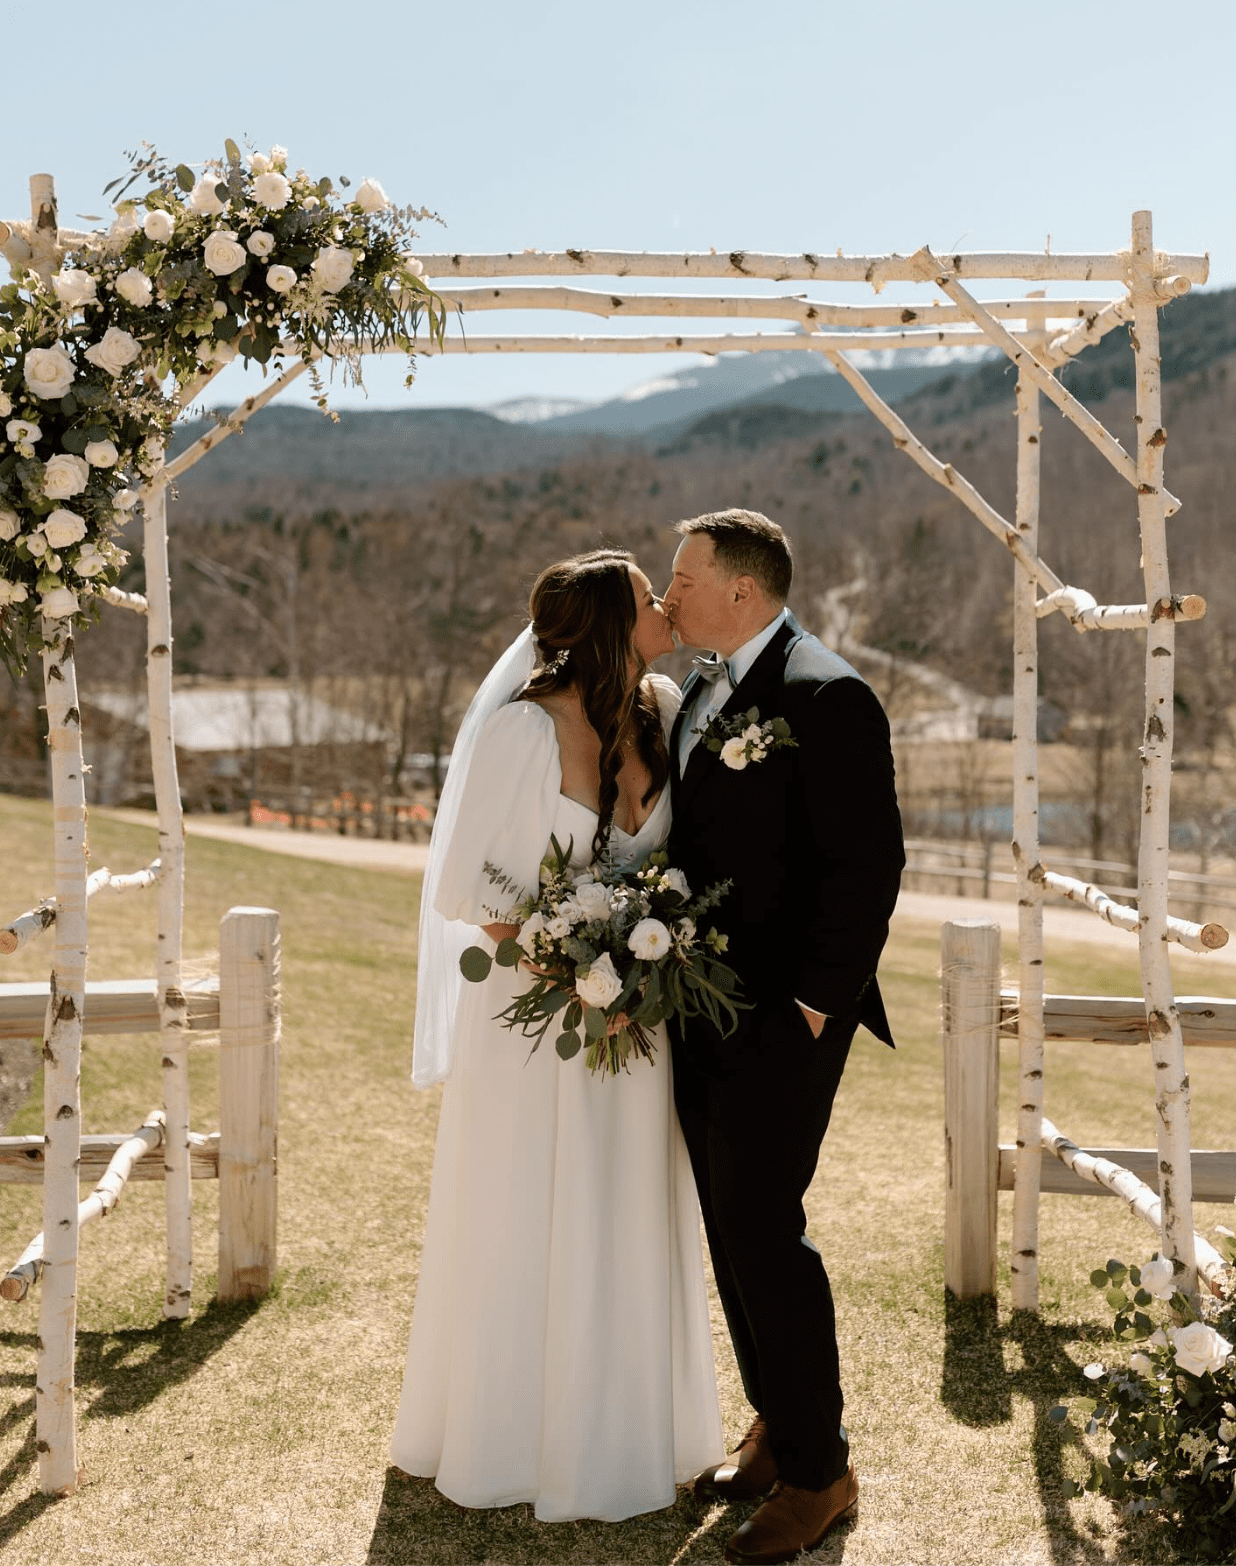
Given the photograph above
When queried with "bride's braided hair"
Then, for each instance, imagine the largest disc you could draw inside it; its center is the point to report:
(583, 619)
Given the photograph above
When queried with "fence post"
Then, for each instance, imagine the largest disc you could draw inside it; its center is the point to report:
(249, 1025)
(970, 996)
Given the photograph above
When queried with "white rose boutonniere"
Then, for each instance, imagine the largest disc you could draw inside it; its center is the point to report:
(598, 984)
(63, 528)
(74, 288)
(114, 351)
(135, 287)
(332, 267)
(743, 739)
(222, 254)
(65, 475)
(49, 372)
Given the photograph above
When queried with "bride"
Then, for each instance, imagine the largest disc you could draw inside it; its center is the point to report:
(560, 1349)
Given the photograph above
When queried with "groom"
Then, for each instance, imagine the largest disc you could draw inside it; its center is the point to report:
(805, 823)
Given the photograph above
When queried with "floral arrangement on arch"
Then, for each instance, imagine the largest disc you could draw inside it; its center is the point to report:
(248, 259)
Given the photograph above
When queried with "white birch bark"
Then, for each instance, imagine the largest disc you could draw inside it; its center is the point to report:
(119, 599)
(1153, 859)
(172, 1020)
(1193, 937)
(710, 344)
(56, 1435)
(1028, 266)
(26, 926)
(1085, 614)
(1092, 330)
(1024, 1262)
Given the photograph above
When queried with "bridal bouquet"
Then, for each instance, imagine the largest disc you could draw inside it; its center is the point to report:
(612, 954)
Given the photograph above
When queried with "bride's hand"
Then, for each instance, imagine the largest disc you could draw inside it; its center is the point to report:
(498, 933)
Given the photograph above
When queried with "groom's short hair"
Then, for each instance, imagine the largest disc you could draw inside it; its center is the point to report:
(744, 543)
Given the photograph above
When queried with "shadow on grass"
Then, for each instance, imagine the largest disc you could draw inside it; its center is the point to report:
(418, 1526)
(117, 1373)
(977, 1387)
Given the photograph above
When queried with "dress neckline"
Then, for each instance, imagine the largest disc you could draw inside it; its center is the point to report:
(614, 827)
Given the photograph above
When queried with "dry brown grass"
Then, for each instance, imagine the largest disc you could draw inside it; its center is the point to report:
(260, 1435)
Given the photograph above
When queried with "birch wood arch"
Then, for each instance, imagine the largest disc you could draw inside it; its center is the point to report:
(1039, 335)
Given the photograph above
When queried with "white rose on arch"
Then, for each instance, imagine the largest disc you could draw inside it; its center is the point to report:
(23, 432)
(10, 525)
(202, 198)
(212, 354)
(125, 499)
(1199, 1348)
(63, 528)
(259, 163)
(89, 561)
(101, 454)
(159, 225)
(65, 475)
(280, 278)
(37, 545)
(6, 405)
(332, 267)
(222, 254)
(1158, 1278)
(135, 287)
(260, 243)
(114, 350)
(74, 288)
(370, 197)
(598, 985)
(59, 603)
(272, 191)
(49, 372)
(12, 592)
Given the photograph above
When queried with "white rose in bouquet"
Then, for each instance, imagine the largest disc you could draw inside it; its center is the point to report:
(23, 432)
(1158, 1278)
(649, 940)
(598, 984)
(101, 454)
(159, 225)
(203, 199)
(272, 191)
(6, 405)
(89, 561)
(370, 197)
(558, 927)
(685, 931)
(114, 351)
(49, 372)
(531, 927)
(281, 278)
(734, 753)
(260, 243)
(134, 286)
(12, 592)
(593, 899)
(332, 267)
(74, 288)
(1199, 1348)
(222, 254)
(65, 475)
(10, 527)
(62, 528)
(676, 881)
(59, 603)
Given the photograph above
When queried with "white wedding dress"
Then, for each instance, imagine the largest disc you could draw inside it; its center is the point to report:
(560, 1351)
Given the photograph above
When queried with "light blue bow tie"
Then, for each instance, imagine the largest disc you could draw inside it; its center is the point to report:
(711, 669)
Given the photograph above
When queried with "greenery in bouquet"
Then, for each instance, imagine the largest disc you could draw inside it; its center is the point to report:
(246, 259)
(1168, 1411)
(611, 955)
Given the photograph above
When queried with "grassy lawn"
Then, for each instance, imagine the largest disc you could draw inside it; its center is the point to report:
(260, 1434)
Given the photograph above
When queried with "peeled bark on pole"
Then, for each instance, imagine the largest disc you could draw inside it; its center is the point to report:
(1024, 1264)
(56, 1436)
(172, 1021)
(1163, 1019)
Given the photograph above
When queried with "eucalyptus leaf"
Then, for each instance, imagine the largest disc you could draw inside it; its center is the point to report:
(184, 176)
(596, 1023)
(568, 1045)
(509, 952)
(475, 964)
(232, 150)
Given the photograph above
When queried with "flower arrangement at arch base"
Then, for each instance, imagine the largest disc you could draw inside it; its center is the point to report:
(613, 954)
(1169, 1410)
(248, 259)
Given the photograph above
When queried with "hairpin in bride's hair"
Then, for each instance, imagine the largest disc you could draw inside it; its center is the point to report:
(558, 661)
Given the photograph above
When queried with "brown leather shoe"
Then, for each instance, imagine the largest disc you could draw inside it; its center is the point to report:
(791, 1520)
(750, 1472)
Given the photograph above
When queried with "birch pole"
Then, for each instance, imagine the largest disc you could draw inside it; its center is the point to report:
(171, 1001)
(62, 1045)
(1153, 863)
(1024, 1264)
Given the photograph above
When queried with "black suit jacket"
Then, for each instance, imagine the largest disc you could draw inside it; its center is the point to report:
(810, 835)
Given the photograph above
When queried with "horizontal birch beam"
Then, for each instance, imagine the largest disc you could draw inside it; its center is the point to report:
(1193, 937)
(235, 420)
(1214, 1173)
(26, 926)
(813, 313)
(1075, 411)
(1028, 266)
(1081, 610)
(711, 344)
(1141, 1200)
(112, 1006)
(946, 475)
(119, 599)
(1092, 331)
(1206, 1021)
(148, 1136)
(21, 1158)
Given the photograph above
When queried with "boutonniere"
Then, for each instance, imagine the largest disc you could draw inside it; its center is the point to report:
(743, 738)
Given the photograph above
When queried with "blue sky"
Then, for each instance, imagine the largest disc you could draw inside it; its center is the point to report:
(782, 125)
